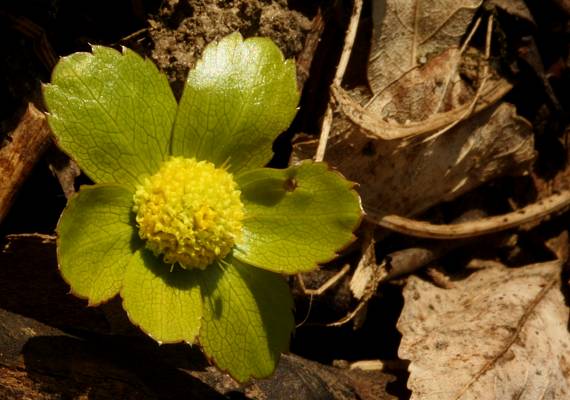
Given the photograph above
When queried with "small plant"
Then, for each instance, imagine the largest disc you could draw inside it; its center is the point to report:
(183, 222)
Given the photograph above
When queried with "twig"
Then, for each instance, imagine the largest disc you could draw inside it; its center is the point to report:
(29, 141)
(132, 36)
(348, 317)
(43, 237)
(531, 213)
(380, 365)
(340, 71)
(407, 261)
(305, 57)
(324, 137)
(321, 289)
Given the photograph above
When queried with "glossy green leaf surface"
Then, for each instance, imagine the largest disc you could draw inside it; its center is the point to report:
(163, 300)
(96, 240)
(247, 319)
(296, 218)
(111, 112)
(236, 101)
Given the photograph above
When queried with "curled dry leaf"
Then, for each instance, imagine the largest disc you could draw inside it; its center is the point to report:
(366, 120)
(500, 333)
(410, 179)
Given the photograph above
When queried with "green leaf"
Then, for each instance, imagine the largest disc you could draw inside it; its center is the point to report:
(296, 218)
(247, 320)
(236, 101)
(112, 112)
(96, 240)
(163, 300)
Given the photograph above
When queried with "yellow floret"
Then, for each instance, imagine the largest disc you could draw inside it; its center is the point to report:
(189, 212)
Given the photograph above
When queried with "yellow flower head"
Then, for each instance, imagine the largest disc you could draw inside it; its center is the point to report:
(189, 212)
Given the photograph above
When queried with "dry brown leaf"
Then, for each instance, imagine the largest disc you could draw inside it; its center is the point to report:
(407, 32)
(500, 333)
(422, 92)
(410, 179)
(366, 269)
(472, 138)
(367, 121)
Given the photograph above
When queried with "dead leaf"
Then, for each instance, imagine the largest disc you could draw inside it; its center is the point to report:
(471, 137)
(408, 180)
(422, 92)
(500, 333)
(366, 120)
(407, 32)
(367, 270)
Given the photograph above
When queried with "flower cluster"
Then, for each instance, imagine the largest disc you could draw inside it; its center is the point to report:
(190, 212)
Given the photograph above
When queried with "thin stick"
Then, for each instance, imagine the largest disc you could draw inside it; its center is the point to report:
(348, 42)
(321, 289)
(17, 159)
(324, 137)
(339, 75)
(44, 237)
(348, 317)
(531, 213)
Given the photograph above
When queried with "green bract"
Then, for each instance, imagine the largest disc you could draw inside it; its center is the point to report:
(185, 184)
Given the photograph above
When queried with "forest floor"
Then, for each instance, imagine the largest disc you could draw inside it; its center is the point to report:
(453, 119)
